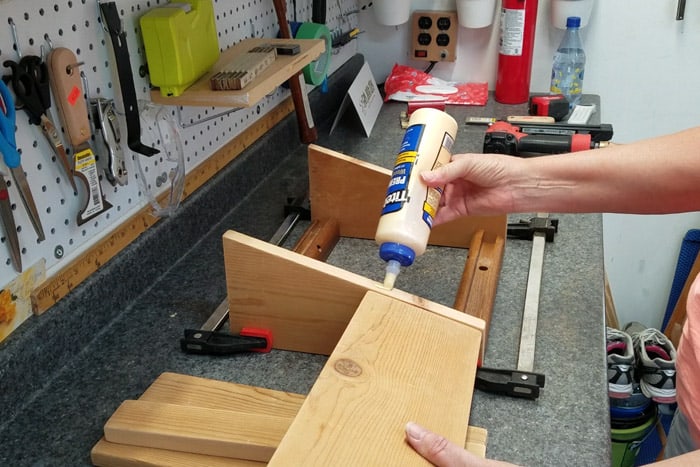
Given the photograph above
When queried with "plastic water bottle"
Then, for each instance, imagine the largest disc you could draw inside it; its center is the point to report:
(569, 64)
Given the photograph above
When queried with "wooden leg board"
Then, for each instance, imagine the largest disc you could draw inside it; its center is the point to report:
(352, 191)
(106, 454)
(394, 363)
(174, 388)
(305, 303)
(214, 432)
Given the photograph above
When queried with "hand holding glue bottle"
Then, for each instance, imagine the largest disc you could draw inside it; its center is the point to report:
(410, 205)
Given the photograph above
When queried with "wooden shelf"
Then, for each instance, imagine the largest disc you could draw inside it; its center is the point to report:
(284, 67)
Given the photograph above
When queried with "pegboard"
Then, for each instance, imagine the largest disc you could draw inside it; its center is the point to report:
(31, 28)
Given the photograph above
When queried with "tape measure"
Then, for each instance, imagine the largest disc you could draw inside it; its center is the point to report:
(316, 71)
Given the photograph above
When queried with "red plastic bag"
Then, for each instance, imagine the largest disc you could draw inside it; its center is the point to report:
(408, 84)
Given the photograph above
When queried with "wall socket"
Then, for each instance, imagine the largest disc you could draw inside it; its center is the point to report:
(434, 37)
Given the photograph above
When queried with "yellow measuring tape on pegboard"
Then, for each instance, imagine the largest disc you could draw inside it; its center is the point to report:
(316, 71)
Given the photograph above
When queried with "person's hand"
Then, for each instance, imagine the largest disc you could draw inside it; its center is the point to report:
(475, 184)
(441, 452)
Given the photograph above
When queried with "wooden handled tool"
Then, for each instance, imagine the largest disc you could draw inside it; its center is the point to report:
(307, 130)
(68, 92)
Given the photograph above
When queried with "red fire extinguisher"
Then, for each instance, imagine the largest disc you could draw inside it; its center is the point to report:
(518, 18)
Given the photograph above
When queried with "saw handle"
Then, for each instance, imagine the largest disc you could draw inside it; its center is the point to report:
(307, 130)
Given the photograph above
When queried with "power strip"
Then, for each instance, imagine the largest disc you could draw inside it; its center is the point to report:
(434, 37)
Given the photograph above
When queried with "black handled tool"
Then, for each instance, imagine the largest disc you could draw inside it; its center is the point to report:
(110, 17)
(197, 341)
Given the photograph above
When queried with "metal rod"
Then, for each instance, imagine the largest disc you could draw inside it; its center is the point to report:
(528, 333)
(197, 122)
(15, 38)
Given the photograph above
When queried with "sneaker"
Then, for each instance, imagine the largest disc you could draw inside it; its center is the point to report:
(656, 364)
(620, 363)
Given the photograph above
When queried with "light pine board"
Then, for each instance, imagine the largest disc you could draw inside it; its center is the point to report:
(352, 191)
(394, 363)
(306, 303)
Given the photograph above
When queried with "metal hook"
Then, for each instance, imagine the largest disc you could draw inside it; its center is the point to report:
(15, 38)
(69, 68)
(42, 50)
(100, 17)
(86, 87)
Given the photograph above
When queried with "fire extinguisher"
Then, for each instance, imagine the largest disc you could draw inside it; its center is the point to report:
(518, 18)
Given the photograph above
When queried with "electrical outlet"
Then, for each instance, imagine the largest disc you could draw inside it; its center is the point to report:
(434, 37)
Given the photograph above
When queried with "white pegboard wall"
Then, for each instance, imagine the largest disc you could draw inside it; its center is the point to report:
(75, 24)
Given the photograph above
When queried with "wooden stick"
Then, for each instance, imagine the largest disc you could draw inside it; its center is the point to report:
(307, 130)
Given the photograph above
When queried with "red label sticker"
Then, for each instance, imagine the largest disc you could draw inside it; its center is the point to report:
(73, 95)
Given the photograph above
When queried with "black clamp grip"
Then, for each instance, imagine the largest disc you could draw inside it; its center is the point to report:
(509, 382)
(221, 343)
(525, 229)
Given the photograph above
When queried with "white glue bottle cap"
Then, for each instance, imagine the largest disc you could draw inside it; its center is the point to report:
(395, 255)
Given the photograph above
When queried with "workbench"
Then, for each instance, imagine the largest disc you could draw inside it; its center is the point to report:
(65, 372)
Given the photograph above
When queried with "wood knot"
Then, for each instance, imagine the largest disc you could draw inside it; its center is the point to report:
(347, 367)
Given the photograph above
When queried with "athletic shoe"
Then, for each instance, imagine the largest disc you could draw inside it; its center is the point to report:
(620, 363)
(656, 364)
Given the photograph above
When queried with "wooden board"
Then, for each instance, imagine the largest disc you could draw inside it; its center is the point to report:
(305, 303)
(352, 191)
(106, 454)
(73, 274)
(394, 363)
(215, 432)
(174, 388)
(193, 391)
(285, 66)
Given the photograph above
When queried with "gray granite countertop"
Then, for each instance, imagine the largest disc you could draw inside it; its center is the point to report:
(64, 373)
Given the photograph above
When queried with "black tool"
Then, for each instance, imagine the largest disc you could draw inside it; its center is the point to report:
(526, 229)
(509, 382)
(221, 343)
(111, 20)
(533, 139)
(318, 11)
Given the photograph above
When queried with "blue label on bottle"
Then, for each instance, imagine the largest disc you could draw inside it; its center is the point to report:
(397, 193)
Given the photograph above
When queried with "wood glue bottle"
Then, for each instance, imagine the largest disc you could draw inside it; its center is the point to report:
(410, 205)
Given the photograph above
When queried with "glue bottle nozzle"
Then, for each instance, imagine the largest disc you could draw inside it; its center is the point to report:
(393, 267)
